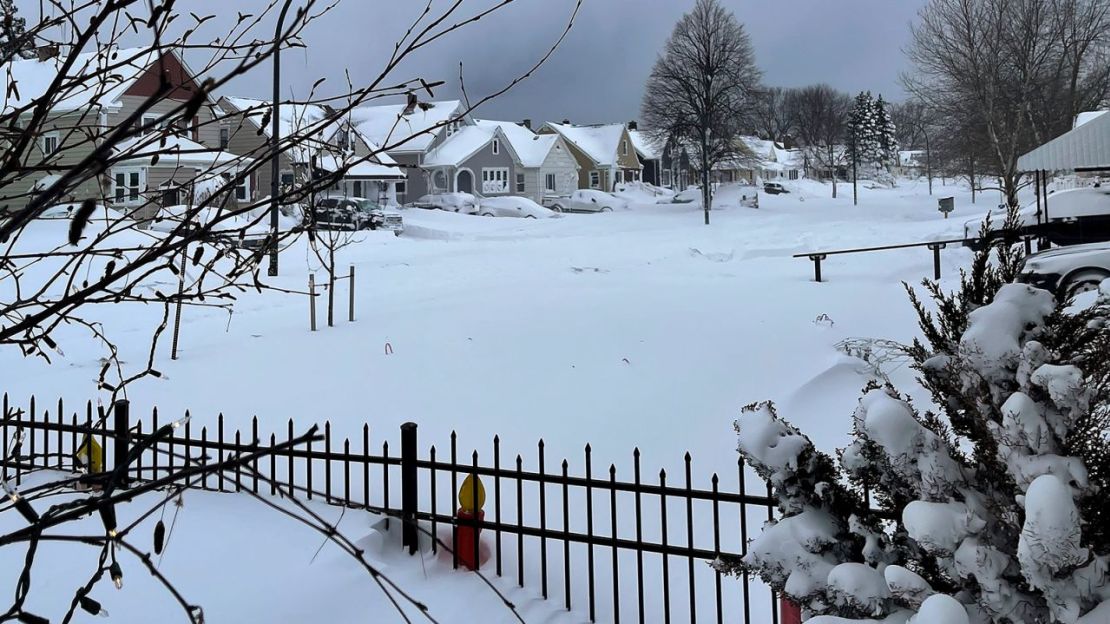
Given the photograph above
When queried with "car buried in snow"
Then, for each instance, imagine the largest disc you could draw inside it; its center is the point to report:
(356, 213)
(1074, 217)
(588, 200)
(464, 203)
(1068, 271)
(519, 207)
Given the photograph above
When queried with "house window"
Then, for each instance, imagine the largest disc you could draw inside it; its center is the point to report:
(287, 179)
(618, 177)
(128, 186)
(624, 148)
(343, 139)
(401, 187)
(666, 177)
(549, 181)
(150, 124)
(496, 147)
(495, 180)
(520, 183)
(453, 127)
(49, 143)
(243, 189)
(225, 138)
(595, 179)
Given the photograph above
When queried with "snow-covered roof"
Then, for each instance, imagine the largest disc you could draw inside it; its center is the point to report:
(646, 147)
(385, 125)
(601, 142)
(1087, 147)
(463, 144)
(23, 81)
(1088, 116)
(174, 151)
(360, 168)
(531, 148)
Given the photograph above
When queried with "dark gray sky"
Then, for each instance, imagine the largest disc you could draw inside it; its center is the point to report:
(598, 74)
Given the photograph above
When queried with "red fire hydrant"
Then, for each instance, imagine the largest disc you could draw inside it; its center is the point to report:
(467, 539)
(790, 612)
(472, 496)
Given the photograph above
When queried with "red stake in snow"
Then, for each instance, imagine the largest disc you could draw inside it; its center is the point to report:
(791, 613)
(388, 349)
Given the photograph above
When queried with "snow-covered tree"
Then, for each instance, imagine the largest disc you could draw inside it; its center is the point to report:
(15, 43)
(863, 143)
(887, 134)
(990, 509)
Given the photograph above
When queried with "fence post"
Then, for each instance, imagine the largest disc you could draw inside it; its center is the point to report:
(936, 247)
(180, 297)
(817, 258)
(351, 306)
(410, 536)
(312, 301)
(121, 410)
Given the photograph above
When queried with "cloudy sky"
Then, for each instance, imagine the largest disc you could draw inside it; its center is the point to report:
(598, 73)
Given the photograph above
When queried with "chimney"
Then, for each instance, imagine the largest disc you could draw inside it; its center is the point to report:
(47, 52)
(527, 123)
(632, 125)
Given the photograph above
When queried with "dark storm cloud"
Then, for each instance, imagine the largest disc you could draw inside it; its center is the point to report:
(599, 72)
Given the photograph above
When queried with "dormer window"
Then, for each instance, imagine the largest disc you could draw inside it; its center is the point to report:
(496, 147)
(343, 139)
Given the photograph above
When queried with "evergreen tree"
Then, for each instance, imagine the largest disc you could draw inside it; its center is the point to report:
(15, 43)
(862, 137)
(993, 509)
(887, 134)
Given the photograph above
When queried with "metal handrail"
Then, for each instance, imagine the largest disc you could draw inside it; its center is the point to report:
(934, 246)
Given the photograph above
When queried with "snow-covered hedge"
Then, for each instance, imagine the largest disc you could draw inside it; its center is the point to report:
(991, 510)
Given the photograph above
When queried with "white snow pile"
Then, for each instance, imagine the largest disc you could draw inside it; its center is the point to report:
(992, 503)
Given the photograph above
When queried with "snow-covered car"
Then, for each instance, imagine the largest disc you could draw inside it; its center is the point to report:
(1075, 217)
(356, 213)
(774, 188)
(451, 202)
(1068, 271)
(514, 207)
(589, 200)
(99, 213)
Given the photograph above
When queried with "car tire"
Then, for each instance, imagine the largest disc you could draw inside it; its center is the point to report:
(606, 209)
(1079, 282)
(487, 214)
(529, 216)
(557, 208)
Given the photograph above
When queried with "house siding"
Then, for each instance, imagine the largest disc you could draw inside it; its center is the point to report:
(485, 158)
(559, 162)
(245, 140)
(73, 147)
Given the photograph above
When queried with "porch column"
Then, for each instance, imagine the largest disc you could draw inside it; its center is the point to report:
(391, 193)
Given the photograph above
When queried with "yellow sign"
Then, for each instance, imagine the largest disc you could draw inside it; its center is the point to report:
(91, 456)
(466, 494)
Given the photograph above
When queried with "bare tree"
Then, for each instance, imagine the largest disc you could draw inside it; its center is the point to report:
(701, 89)
(68, 155)
(1008, 74)
(775, 114)
(822, 117)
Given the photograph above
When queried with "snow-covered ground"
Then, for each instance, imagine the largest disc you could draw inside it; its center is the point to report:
(639, 328)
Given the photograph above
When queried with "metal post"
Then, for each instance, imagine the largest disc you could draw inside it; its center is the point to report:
(180, 296)
(1047, 220)
(121, 411)
(351, 306)
(275, 140)
(972, 157)
(1037, 192)
(312, 301)
(936, 247)
(817, 266)
(928, 162)
(410, 536)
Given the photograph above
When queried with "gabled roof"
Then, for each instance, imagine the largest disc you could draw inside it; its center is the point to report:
(1088, 116)
(23, 81)
(600, 143)
(360, 168)
(531, 148)
(299, 118)
(647, 147)
(385, 125)
(465, 143)
(1085, 148)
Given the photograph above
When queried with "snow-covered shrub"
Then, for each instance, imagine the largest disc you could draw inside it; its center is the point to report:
(991, 508)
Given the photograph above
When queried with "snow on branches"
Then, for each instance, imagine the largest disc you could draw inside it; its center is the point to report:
(988, 510)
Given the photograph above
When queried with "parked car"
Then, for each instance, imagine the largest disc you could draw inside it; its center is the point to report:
(1075, 216)
(588, 200)
(1068, 271)
(356, 213)
(514, 207)
(451, 202)
(774, 188)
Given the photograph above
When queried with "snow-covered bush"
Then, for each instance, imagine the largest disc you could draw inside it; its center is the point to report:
(991, 508)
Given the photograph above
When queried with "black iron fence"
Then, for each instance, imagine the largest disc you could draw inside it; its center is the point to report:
(636, 550)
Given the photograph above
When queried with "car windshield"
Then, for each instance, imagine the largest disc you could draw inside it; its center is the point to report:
(365, 205)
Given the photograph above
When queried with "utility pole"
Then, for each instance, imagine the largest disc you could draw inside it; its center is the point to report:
(275, 142)
(855, 169)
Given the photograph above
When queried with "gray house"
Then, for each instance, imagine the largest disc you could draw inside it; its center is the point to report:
(409, 136)
(477, 159)
(546, 167)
